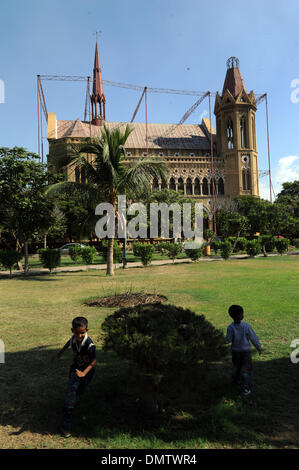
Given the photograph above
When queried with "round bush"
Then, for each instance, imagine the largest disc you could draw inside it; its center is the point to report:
(88, 254)
(75, 253)
(145, 251)
(162, 338)
(9, 259)
(253, 248)
(282, 245)
(49, 258)
(226, 249)
(194, 253)
(173, 250)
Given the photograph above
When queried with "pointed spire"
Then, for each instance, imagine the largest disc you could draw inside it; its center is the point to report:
(233, 80)
(97, 92)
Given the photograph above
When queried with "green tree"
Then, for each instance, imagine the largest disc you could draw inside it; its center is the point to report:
(24, 210)
(108, 175)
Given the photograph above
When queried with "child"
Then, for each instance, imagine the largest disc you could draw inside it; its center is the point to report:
(240, 334)
(81, 371)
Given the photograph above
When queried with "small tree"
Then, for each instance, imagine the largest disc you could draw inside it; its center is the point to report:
(145, 251)
(253, 248)
(75, 253)
(49, 258)
(226, 249)
(194, 253)
(88, 254)
(167, 344)
(282, 245)
(173, 250)
(9, 259)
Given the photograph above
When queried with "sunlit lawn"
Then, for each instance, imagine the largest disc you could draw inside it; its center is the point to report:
(36, 316)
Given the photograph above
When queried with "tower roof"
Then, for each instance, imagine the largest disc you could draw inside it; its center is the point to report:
(233, 80)
(97, 90)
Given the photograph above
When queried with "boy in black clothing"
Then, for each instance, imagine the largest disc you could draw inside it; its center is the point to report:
(81, 371)
(240, 334)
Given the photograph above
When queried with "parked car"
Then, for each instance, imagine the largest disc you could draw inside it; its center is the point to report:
(64, 250)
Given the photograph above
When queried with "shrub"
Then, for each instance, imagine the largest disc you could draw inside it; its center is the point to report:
(145, 252)
(215, 245)
(208, 234)
(167, 343)
(117, 251)
(9, 259)
(49, 258)
(75, 253)
(88, 254)
(173, 250)
(296, 242)
(226, 249)
(194, 253)
(268, 241)
(253, 248)
(282, 245)
(161, 247)
(241, 244)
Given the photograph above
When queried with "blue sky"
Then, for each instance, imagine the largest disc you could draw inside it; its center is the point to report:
(163, 44)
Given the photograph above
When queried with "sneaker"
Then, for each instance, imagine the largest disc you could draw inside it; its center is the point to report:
(65, 432)
(246, 392)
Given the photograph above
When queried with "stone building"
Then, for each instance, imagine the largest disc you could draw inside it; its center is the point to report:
(186, 148)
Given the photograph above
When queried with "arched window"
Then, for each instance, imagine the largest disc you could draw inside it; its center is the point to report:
(77, 174)
(220, 186)
(172, 184)
(243, 132)
(205, 187)
(230, 134)
(180, 184)
(246, 179)
(189, 187)
(163, 185)
(196, 186)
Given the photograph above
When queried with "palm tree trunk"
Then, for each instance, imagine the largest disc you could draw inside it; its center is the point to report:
(110, 266)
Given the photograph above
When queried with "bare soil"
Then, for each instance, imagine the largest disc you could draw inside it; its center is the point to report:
(126, 299)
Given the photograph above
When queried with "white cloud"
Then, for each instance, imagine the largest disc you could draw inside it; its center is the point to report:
(287, 169)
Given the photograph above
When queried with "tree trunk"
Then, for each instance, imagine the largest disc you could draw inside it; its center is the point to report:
(110, 266)
(18, 249)
(26, 267)
(45, 240)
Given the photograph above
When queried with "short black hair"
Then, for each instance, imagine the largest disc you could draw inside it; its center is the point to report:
(80, 322)
(235, 311)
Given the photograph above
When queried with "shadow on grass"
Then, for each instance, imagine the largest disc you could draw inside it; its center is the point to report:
(33, 391)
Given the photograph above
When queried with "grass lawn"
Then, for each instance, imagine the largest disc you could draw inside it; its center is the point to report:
(36, 316)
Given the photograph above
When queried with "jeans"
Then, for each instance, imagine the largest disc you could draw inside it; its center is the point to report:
(76, 388)
(242, 368)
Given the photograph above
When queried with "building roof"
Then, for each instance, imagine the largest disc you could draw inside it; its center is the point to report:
(160, 136)
(233, 81)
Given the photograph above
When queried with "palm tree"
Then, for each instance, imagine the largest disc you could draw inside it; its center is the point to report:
(109, 175)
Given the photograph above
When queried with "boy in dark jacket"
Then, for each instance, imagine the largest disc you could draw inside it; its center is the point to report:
(81, 371)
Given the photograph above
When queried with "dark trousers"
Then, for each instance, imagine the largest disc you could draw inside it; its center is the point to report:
(242, 368)
(76, 387)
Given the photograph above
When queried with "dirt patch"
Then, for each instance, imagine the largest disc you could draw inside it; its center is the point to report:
(127, 299)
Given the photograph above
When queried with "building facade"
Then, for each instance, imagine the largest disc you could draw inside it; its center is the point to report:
(207, 164)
